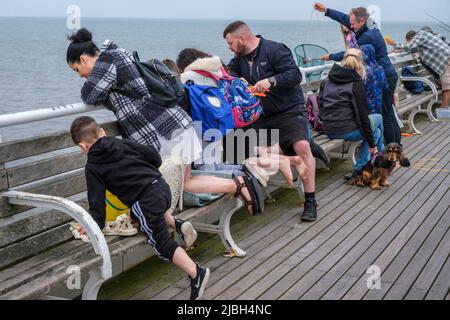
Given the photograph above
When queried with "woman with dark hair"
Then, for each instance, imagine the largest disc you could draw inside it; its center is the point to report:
(114, 81)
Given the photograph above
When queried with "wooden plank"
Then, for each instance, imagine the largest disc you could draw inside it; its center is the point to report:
(441, 287)
(3, 180)
(65, 188)
(256, 227)
(15, 150)
(421, 248)
(31, 226)
(431, 270)
(222, 275)
(17, 252)
(33, 223)
(45, 168)
(261, 240)
(302, 268)
(328, 249)
(396, 256)
(365, 252)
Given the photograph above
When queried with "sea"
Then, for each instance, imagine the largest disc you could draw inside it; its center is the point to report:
(34, 73)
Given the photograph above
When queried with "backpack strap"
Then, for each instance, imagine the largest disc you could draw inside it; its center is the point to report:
(225, 75)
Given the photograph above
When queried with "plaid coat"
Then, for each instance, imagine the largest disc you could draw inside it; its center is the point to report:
(138, 119)
(433, 50)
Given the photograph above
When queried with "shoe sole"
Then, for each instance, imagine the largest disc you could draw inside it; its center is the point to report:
(309, 219)
(261, 179)
(204, 283)
(189, 234)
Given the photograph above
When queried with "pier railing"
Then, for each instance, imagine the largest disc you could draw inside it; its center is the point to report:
(8, 120)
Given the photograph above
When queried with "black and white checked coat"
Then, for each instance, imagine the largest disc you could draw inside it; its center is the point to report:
(138, 119)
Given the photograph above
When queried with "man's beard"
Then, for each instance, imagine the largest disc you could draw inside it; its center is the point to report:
(241, 50)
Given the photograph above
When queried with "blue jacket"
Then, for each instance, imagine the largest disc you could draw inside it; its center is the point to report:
(272, 59)
(365, 36)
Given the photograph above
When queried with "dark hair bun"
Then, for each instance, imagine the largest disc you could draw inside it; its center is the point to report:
(82, 35)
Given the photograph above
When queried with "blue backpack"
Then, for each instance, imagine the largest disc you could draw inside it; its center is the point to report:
(415, 87)
(210, 107)
(230, 106)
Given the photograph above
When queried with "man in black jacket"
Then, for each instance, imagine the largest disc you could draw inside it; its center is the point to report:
(129, 171)
(270, 67)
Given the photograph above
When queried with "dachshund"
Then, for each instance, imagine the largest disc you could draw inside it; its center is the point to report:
(376, 172)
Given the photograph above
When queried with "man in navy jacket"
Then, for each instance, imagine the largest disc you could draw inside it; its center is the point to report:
(270, 67)
(357, 22)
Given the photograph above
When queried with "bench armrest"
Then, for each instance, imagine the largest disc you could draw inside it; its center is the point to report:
(425, 81)
(76, 212)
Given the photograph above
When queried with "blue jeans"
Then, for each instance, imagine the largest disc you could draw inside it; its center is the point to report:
(376, 122)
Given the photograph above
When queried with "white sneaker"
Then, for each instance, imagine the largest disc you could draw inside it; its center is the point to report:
(186, 231)
(120, 227)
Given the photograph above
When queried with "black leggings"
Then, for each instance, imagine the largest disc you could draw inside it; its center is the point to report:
(392, 131)
(149, 212)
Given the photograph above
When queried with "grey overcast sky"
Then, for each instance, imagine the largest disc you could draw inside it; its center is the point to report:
(392, 10)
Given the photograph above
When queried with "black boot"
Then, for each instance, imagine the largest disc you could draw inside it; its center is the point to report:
(319, 153)
(310, 211)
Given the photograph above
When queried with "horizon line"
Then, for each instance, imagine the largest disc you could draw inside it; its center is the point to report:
(204, 19)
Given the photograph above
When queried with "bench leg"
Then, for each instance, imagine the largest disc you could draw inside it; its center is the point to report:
(352, 151)
(227, 238)
(411, 123)
(93, 285)
(430, 112)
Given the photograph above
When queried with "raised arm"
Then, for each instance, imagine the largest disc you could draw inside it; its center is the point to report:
(338, 16)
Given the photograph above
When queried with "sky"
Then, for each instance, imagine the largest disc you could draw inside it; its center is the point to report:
(391, 10)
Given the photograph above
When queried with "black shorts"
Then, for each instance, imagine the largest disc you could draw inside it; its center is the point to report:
(292, 127)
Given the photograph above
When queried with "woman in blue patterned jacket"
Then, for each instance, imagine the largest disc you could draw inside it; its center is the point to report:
(375, 83)
(114, 81)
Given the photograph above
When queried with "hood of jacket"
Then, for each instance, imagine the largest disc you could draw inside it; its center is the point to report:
(369, 54)
(210, 64)
(340, 75)
(105, 150)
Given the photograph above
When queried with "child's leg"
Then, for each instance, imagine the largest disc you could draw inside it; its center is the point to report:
(185, 263)
(300, 166)
(170, 220)
(274, 163)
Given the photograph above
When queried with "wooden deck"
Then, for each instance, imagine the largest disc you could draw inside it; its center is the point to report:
(404, 230)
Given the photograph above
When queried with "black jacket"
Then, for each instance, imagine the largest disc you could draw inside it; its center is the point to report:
(343, 105)
(123, 167)
(272, 59)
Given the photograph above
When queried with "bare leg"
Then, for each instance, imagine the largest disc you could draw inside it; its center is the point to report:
(170, 220)
(274, 163)
(184, 262)
(303, 150)
(206, 184)
(446, 99)
(300, 166)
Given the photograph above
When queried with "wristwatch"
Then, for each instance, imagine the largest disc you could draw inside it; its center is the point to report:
(272, 81)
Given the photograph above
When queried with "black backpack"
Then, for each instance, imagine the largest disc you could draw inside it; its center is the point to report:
(164, 86)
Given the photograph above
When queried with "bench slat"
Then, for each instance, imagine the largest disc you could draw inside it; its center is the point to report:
(64, 188)
(15, 150)
(3, 180)
(33, 246)
(45, 168)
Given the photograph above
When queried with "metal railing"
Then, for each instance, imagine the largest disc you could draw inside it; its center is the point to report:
(8, 120)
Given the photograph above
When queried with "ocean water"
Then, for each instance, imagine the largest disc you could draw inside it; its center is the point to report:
(34, 73)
